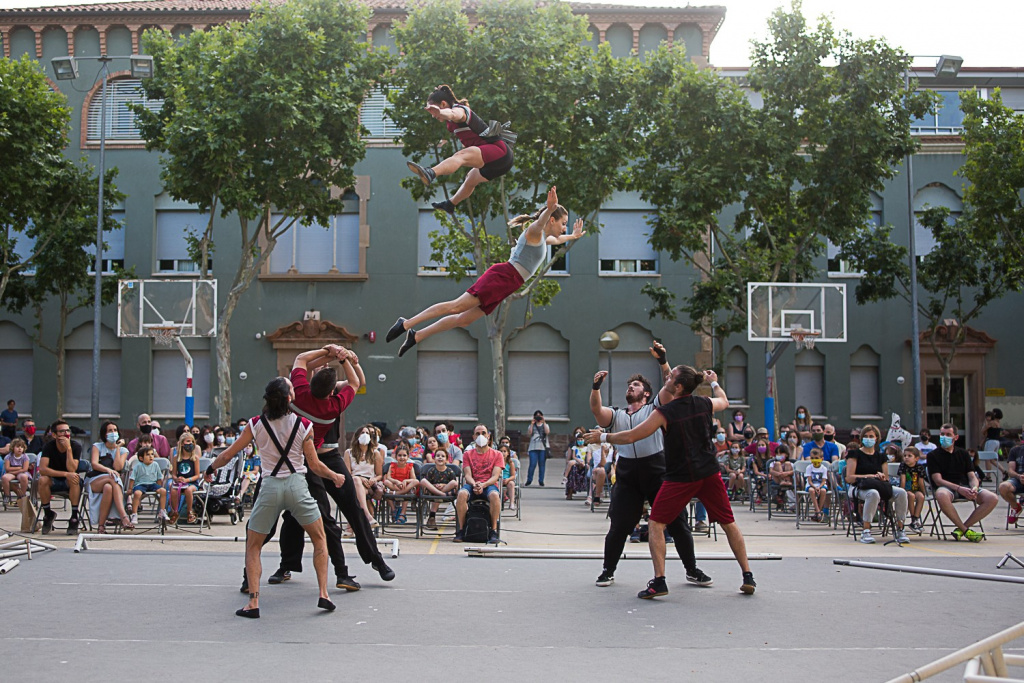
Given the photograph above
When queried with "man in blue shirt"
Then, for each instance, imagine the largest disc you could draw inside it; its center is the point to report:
(829, 450)
(9, 421)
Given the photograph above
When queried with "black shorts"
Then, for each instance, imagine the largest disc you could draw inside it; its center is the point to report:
(498, 167)
(59, 485)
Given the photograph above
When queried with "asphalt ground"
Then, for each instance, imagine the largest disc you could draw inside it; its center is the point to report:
(126, 609)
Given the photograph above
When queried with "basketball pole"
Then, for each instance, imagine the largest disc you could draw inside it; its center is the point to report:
(189, 399)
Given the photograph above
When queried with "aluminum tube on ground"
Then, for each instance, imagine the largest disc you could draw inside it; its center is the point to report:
(961, 656)
(929, 571)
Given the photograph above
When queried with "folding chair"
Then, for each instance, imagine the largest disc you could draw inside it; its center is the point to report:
(222, 489)
(1009, 509)
(83, 499)
(840, 493)
(33, 461)
(803, 498)
(935, 512)
(517, 491)
(757, 486)
(383, 512)
(993, 457)
(425, 499)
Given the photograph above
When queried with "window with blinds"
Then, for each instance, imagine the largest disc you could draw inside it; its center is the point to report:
(538, 380)
(317, 249)
(372, 115)
(113, 251)
(169, 383)
(171, 243)
(446, 384)
(622, 246)
(864, 390)
(121, 125)
(428, 223)
(78, 383)
(810, 388)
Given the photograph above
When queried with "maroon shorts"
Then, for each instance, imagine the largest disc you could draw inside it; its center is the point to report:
(491, 288)
(674, 496)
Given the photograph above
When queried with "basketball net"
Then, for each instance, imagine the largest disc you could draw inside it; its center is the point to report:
(803, 338)
(164, 336)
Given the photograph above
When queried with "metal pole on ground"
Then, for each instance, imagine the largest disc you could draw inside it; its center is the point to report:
(929, 571)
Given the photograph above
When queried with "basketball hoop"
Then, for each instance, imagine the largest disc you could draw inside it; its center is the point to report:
(804, 338)
(164, 336)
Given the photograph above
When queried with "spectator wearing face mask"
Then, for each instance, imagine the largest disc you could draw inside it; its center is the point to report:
(953, 478)
(145, 425)
(446, 441)
(829, 449)
(830, 437)
(802, 420)
(762, 445)
(737, 426)
(721, 442)
(31, 436)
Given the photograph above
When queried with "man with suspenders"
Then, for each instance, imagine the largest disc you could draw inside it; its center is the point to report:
(322, 400)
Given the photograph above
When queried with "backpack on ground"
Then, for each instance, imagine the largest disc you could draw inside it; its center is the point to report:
(478, 522)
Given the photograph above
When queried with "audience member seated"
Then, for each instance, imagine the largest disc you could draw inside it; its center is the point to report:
(32, 437)
(366, 464)
(757, 468)
(953, 477)
(866, 469)
(16, 468)
(575, 476)
(508, 476)
(481, 469)
(185, 476)
(830, 437)
(913, 476)
(58, 473)
(737, 426)
(816, 485)
(401, 480)
(103, 482)
(829, 450)
(925, 445)
(1013, 487)
(146, 477)
(793, 443)
(780, 472)
(600, 458)
(160, 443)
(802, 419)
(735, 469)
(762, 445)
(440, 480)
(721, 441)
(447, 439)
(431, 448)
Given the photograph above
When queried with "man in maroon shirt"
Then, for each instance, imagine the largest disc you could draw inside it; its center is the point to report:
(481, 466)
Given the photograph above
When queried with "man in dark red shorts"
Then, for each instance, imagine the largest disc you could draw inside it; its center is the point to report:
(691, 469)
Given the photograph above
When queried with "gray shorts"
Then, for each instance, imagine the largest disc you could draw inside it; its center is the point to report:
(278, 494)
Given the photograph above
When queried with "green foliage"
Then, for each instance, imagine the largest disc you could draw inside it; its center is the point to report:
(768, 185)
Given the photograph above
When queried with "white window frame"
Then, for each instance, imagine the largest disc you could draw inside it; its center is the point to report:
(930, 124)
(371, 117)
(627, 267)
(291, 238)
(120, 235)
(182, 266)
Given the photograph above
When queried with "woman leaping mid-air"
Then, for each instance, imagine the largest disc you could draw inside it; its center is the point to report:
(502, 279)
(490, 157)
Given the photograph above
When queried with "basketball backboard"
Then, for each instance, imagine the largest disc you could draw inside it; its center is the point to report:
(775, 310)
(148, 308)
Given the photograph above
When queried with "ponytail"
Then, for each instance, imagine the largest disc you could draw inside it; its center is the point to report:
(527, 218)
(444, 94)
(275, 398)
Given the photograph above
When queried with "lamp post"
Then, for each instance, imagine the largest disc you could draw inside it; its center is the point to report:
(609, 342)
(948, 65)
(66, 69)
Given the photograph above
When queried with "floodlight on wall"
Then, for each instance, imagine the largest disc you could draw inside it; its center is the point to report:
(64, 68)
(142, 66)
(948, 66)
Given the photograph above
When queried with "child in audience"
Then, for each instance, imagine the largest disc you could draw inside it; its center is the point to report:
(816, 477)
(401, 480)
(146, 478)
(780, 470)
(440, 481)
(735, 469)
(16, 467)
(184, 475)
(758, 469)
(576, 466)
(913, 476)
(508, 476)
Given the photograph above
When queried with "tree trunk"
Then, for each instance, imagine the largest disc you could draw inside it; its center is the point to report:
(498, 363)
(945, 390)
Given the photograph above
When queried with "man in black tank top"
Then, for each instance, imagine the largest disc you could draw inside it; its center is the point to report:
(691, 468)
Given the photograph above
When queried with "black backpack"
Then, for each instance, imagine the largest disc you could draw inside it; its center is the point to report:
(478, 522)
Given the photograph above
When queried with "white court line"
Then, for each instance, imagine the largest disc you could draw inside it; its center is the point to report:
(146, 585)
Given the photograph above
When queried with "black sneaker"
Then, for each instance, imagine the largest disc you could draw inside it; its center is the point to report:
(698, 577)
(48, 517)
(396, 330)
(410, 341)
(431, 523)
(386, 572)
(280, 576)
(245, 583)
(606, 579)
(655, 588)
(492, 537)
(445, 206)
(72, 526)
(425, 173)
(460, 536)
(748, 583)
(349, 583)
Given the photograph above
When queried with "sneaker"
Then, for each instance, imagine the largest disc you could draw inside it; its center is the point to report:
(161, 515)
(749, 585)
(655, 587)
(698, 577)
(280, 576)
(492, 537)
(974, 536)
(957, 534)
(410, 341)
(564, 481)
(445, 206)
(72, 526)
(426, 174)
(386, 572)
(634, 537)
(589, 501)
(349, 583)
(396, 330)
(460, 536)
(606, 579)
(48, 517)
(511, 507)
(916, 525)
(866, 537)
(901, 536)
(431, 523)
(1011, 517)
(701, 528)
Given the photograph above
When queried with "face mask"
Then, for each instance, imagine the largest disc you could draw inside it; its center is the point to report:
(112, 437)
(413, 441)
(762, 449)
(229, 439)
(868, 442)
(442, 437)
(945, 441)
(480, 441)
(816, 462)
(220, 439)
(748, 436)
(579, 442)
(925, 438)
(30, 431)
(364, 439)
(188, 447)
(720, 438)
(208, 438)
(146, 429)
(782, 435)
(734, 451)
(830, 437)
(155, 431)
(801, 415)
(818, 436)
(780, 457)
(738, 418)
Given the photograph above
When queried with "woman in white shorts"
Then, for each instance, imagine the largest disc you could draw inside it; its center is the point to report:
(283, 439)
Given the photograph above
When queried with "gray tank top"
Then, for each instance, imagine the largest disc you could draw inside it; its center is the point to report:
(623, 421)
(528, 256)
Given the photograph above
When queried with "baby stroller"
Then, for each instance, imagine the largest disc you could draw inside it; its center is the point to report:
(221, 496)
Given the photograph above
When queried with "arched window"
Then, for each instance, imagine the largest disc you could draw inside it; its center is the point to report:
(935, 194)
(864, 383)
(736, 376)
(16, 367)
(446, 377)
(121, 125)
(810, 381)
(78, 373)
(538, 373)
